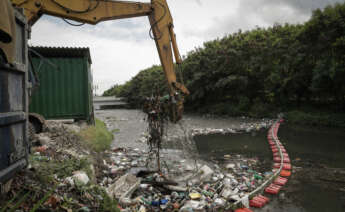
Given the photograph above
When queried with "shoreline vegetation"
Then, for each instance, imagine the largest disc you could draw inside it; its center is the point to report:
(295, 69)
(98, 137)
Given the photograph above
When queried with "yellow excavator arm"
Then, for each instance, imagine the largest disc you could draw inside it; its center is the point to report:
(95, 11)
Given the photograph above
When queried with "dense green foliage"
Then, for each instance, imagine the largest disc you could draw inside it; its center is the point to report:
(113, 91)
(97, 137)
(144, 84)
(263, 71)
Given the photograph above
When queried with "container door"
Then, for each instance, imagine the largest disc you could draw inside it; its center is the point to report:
(13, 107)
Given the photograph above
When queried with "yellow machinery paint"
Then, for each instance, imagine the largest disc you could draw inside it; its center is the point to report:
(95, 11)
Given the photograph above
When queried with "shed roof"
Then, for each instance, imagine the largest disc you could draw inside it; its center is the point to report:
(62, 52)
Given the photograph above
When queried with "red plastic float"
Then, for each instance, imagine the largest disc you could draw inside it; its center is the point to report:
(280, 181)
(256, 203)
(257, 198)
(277, 159)
(263, 197)
(274, 149)
(286, 166)
(272, 190)
(243, 210)
(285, 173)
(276, 146)
(275, 186)
(276, 154)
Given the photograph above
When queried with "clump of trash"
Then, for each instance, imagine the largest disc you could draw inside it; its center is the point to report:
(182, 184)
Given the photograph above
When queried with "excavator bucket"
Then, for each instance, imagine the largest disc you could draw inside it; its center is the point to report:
(7, 31)
(5, 24)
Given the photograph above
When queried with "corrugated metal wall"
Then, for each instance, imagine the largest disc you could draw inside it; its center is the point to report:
(63, 93)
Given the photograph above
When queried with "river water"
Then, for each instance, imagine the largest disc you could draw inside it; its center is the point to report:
(318, 158)
(318, 155)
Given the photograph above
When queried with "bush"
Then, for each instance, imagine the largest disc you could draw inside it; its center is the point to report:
(97, 137)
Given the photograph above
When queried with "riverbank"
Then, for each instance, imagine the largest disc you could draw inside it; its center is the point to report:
(66, 168)
(311, 116)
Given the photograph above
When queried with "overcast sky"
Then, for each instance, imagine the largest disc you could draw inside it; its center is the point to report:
(121, 48)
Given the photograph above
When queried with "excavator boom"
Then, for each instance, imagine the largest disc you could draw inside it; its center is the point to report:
(85, 11)
(95, 11)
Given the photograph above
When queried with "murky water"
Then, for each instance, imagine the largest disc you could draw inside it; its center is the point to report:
(129, 125)
(318, 159)
(250, 144)
(315, 145)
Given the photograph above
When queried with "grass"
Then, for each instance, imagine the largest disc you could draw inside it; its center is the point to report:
(62, 169)
(115, 130)
(106, 203)
(97, 137)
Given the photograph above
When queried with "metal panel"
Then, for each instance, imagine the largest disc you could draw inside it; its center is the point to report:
(12, 89)
(64, 92)
(14, 146)
(20, 42)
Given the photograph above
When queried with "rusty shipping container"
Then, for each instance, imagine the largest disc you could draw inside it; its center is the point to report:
(14, 144)
(65, 88)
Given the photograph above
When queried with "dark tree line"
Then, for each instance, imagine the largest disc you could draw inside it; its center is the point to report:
(282, 67)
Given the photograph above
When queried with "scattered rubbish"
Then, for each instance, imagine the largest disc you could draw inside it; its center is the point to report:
(69, 181)
(43, 140)
(206, 172)
(124, 186)
(264, 124)
(192, 205)
(230, 166)
(80, 177)
(194, 196)
(140, 182)
(41, 148)
(202, 186)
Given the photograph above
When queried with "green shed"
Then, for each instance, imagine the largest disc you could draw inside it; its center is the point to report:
(64, 88)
